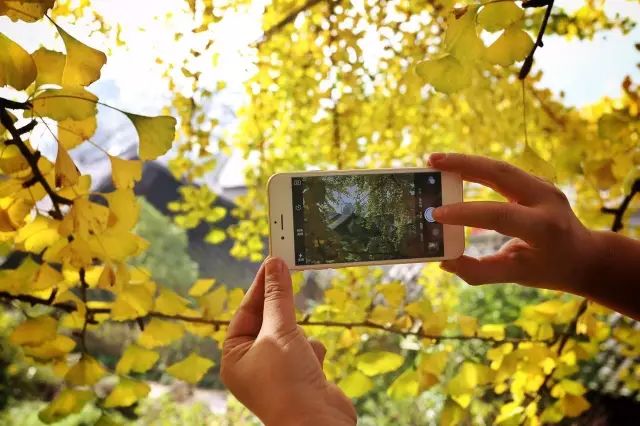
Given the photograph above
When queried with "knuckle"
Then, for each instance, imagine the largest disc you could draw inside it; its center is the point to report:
(273, 291)
(503, 214)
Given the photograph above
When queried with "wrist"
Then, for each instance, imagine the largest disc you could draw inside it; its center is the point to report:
(319, 410)
(596, 261)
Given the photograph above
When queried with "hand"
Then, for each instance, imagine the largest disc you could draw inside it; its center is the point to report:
(550, 249)
(270, 365)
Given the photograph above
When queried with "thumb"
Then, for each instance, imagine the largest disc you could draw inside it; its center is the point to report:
(279, 313)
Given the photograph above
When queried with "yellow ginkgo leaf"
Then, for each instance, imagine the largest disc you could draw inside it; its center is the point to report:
(468, 325)
(25, 10)
(124, 209)
(355, 384)
(215, 236)
(492, 331)
(86, 372)
(83, 63)
(531, 161)
(38, 234)
(155, 134)
(497, 16)
(72, 133)
(201, 286)
(55, 348)
(67, 174)
(446, 74)
(46, 278)
(434, 363)
(512, 46)
(125, 173)
(170, 303)
(379, 362)
(17, 68)
(574, 405)
(34, 331)
(136, 359)
(213, 302)
(405, 385)
(126, 393)
(191, 369)
(133, 301)
(68, 401)
(469, 376)
(107, 420)
(461, 37)
(50, 65)
(452, 414)
(160, 333)
(67, 103)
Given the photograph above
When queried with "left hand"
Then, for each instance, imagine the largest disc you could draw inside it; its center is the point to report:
(269, 364)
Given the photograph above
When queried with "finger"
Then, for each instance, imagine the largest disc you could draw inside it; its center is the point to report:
(318, 349)
(279, 312)
(248, 318)
(509, 219)
(498, 268)
(510, 181)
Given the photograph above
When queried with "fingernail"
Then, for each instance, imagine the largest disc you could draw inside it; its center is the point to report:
(274, 267)
(436, 157)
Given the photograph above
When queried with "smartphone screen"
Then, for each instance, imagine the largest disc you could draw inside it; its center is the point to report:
(366, 217)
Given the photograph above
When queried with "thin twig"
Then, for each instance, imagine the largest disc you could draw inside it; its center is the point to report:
(528, 62)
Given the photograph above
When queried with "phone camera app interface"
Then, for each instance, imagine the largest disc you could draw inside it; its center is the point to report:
(367, 217)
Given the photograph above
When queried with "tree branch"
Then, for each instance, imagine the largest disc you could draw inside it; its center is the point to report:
(528, 62)
(31, 157)
(618, 212)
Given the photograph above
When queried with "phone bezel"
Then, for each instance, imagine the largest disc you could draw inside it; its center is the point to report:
(281, 237)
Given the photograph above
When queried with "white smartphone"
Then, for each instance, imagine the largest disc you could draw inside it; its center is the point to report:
(343, 218)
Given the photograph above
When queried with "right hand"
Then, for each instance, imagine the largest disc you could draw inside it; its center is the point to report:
(550, 249)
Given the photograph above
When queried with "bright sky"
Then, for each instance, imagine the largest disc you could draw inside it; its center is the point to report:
(584, 70)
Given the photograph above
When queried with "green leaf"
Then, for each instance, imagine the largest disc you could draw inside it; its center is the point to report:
(67, 103)
(446, 74)
(374, 363)
(512, 46)
(355, 384)
(497, 16)
(83, 63)
(156, 134)
(17, 68)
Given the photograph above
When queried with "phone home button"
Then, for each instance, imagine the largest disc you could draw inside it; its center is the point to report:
(428, 214)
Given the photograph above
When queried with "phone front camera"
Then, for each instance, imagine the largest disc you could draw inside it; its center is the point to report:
(282, 238)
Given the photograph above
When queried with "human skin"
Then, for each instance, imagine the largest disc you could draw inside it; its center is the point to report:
(550, 248)
(269, 364)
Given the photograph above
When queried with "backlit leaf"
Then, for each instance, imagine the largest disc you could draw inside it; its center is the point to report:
(191, 369)
(461, 37)
(72, 133)
(155, 134)
(374, 363)
(83, 63)
(50, 65)
(67, 103)
(125, 173)
(497, 16)
(512, 46)
(170, 303)
(446, 74)
(135, 300)
(17, 68)
(67, 174)
(25, 10)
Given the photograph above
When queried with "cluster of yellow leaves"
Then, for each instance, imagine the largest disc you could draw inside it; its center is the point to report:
(465, 49)
(198, 205)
